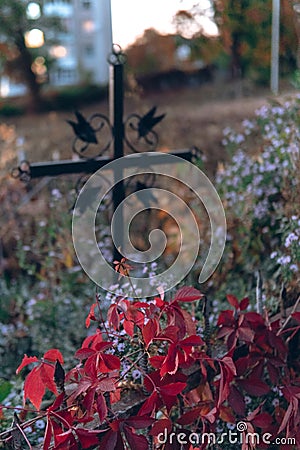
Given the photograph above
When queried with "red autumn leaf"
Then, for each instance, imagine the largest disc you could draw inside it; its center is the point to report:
(93, 340)
(191, 341)
(179, 352)
(287, 417)
(172, 388)
(149, 331)
(129, 327)
(193, 415)
(108, 363)
(34, 388)
(170, 333)
(226, 376)
(190, 324)
(134, 315)
(273, 372)
(156, 361)
(233, 301)
(40, 377)
(296, 316)
(25, 361)
(110, 441)
(226, 414)
(115, 396)
(107, 384)
(101, 407)
(84, 353)
(53, 355)
(64, 438)
(236, 400)
(254, 318)
(171, 361)
(91, 315)
(47, 435)
(211, 415)
(135, 441)
(226, 318)
(262, 420)
(245, 334)
(47, 377)
(87, 438)
(187, 294)
(149, 405)
(113, 316)
(139, 422)
(254, 386)
(244, 304)
(160, 426)
(229, 364)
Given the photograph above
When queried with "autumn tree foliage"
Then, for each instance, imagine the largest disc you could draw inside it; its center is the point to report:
(194, 377)
(245, 35)
(16, 57)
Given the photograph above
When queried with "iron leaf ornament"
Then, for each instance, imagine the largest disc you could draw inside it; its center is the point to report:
(148, 121)
(83, 129)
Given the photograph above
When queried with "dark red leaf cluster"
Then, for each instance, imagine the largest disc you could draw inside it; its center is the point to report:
(185, 388)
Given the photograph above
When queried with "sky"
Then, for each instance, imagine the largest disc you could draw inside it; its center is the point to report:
(131, 17)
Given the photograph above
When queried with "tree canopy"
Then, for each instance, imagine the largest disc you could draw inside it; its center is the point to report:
(17, 59)
(243, 43)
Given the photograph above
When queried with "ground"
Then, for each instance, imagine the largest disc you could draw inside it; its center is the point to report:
(194, 117)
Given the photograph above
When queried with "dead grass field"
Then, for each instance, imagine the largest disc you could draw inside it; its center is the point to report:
(194, 117)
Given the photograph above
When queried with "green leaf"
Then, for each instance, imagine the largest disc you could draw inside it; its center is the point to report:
(5, 389)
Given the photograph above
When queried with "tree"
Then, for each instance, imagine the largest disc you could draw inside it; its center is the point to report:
(245, 35)
(15, 53)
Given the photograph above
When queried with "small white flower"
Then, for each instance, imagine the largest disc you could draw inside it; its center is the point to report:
(247, 400)
(284, 260)
(56, 194)
(40, 424)
(136, 374)
(121, 347)
(290, 238)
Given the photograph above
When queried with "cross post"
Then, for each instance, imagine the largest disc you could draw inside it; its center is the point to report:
(86, 136)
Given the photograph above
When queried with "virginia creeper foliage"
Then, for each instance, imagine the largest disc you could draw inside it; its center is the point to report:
(191, 381)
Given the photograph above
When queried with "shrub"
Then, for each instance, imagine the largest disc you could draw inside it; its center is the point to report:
(10, 110)
(75, 96)
(155, 372)
(260, 187)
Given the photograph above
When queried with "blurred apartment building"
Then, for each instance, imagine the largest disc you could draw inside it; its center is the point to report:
(79, 51)
(82, 48)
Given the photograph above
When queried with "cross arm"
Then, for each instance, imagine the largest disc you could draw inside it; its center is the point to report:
(68, 167)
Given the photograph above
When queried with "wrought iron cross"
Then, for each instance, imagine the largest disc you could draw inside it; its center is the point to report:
(96, 134)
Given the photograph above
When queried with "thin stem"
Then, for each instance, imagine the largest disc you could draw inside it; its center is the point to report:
(129, 369)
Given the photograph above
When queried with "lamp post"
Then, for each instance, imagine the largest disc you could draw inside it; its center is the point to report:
(275, 46)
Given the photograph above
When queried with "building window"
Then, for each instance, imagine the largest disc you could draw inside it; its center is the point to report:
(86, 4)
(64, 76)
(88, 26)
(89, 50)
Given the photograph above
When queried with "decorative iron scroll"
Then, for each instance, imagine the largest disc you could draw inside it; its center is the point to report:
(22, 172)
(87, 135)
